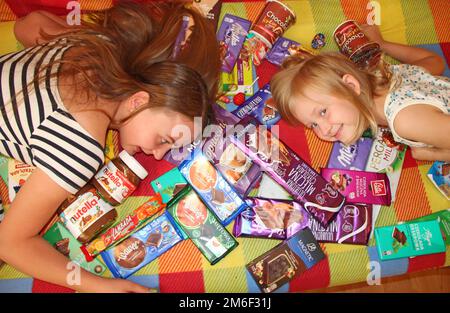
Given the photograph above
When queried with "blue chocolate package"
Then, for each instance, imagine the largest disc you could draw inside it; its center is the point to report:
(306, 247)
(260, 106)
(143, 246)
(212, 187)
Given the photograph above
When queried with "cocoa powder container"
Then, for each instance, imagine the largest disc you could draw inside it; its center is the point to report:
(119, 178)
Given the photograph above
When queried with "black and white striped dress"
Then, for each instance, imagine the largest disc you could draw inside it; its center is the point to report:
(36, 128)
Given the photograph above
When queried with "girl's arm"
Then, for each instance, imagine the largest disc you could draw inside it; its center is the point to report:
(27, 29)
(25, 250)
(431, 154)
(427, 59)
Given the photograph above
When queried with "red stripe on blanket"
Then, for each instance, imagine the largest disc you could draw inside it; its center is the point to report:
(316, 277)
(187, 282)
(40, 286)
(426, 262)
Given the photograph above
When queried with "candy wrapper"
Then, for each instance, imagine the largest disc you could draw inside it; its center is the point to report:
(284, 166)
(18, 174)
(443, 218)
(352, 157)
(270, 219)
(284, 48)
(260, 106)
(169, 184)
(239, 80)
(212, 187)
(387, 156)
(63, 241)
(439, 174)
(201, 226)
(182, 36)
(359, 186)
(269, 189)
(142, 247)
(231, 36)
(409, 239)
(122, 229)
(353, 225)
(286, 261)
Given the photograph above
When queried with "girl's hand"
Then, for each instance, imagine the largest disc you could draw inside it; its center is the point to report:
(111, 285)
(373, 33)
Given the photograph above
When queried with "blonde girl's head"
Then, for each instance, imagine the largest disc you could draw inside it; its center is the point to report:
(328, 93)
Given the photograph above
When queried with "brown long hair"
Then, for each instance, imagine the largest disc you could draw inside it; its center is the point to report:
(324, 73)
(129, 48)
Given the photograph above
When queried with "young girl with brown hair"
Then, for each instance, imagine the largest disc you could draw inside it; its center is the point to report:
(338, 101)
(59, 98)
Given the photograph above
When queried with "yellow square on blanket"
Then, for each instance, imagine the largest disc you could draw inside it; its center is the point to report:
(9, 42)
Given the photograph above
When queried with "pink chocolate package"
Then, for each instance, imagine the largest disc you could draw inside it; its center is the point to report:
(360, 186)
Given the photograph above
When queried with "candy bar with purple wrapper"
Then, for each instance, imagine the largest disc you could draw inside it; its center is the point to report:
(231, 36)
(360, 186)
(351, 157)
(282, 164)
(353, 225)
(284, 48)
(260, 106)
(269, 218)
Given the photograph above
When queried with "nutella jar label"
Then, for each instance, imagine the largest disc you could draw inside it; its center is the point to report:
(114, 182)
(84, 212)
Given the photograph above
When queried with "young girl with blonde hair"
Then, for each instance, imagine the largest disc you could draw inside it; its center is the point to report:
(338, 101)
(59, 98)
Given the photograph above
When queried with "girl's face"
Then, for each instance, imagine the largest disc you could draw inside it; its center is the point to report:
(331, 118)
(155, 131)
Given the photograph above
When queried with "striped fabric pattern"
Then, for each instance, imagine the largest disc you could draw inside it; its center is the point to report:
(35, 127)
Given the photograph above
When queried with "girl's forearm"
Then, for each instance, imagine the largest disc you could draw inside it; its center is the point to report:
(414, 55)
(37, 258)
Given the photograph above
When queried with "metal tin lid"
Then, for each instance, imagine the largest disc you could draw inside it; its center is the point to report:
(134, 165)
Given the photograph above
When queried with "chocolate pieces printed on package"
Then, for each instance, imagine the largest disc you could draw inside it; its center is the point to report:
(289, 259)
(212, 187)
(142, 247)
(284, 48)
(360, 186)
(283, 165)
(201, 226)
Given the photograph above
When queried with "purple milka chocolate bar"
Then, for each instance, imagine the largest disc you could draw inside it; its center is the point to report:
(231, 36)
(351, 157)
(270, 219)
(284, 166)
(353, 225)
(360, 186)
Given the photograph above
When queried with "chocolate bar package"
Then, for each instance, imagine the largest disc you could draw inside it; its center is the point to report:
(284, 48)
(439, 174)
(115, 234)
(352, 225)
(387, 156)
(352, 157)
(409, 239)
(201, 226)
(169, 184)
(306, 186)
(269, 189)
(270, 219)
(289, 259)
(181, 40)
(212, 187)
(360, 186)
(231, 36)
(142, 247)
(260, 106)
(443, 217)
(238, 169)
(63, 241)
(239, 80)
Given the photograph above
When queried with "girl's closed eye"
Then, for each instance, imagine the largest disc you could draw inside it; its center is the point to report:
(322, 112)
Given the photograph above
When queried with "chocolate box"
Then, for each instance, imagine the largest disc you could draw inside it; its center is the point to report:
(212, 187)
(443, 218)
(142, 247)
(283, 165)
(201, 226)
(439, 175)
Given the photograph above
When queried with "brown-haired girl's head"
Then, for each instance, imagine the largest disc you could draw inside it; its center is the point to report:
(329, 94)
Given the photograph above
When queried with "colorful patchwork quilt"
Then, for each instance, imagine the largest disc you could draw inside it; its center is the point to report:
(184, 269)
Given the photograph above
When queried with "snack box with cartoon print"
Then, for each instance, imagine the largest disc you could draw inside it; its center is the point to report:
(409, 239)
(212, 187)
(143, 246)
